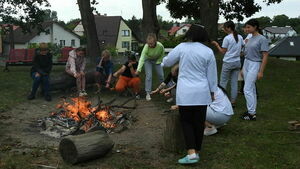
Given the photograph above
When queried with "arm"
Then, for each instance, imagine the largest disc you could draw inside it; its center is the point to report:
(120, 71)
(49, 68)
(82, 68)
(263, 65)
(132, 71)
(224, 47)
(142, 59)
(212, 75)
(109, 75)
(168, 89)
(172, 58)
(159, 60)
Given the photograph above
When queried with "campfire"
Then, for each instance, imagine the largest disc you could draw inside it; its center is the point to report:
(77, 116)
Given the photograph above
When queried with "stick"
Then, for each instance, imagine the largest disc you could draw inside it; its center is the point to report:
(124, 107)
(44, 166)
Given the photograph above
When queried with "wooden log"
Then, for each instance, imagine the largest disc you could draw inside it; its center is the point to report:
(84, 147)
(173, 139)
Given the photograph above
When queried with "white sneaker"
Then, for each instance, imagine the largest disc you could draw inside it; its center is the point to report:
(148, 97)
(81, 94)
(84, 93)
(210, 131)
(170, 100)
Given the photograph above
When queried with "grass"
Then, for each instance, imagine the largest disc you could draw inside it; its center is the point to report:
(240, 144)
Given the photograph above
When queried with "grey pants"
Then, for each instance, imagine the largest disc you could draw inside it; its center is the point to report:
(230, 71)
(148, 69)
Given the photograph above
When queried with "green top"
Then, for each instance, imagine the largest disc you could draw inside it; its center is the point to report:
(156, 53)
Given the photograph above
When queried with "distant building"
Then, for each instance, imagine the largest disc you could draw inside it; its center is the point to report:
(113, 31)
(54, 33)
(179, 30)
(287, 48)
(275, 32)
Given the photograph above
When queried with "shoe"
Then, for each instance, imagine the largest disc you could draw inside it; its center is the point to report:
(170, 100)
(84, 93)
(148, 97)
(31, 97)
(48, 98)
(210, 131)
(247, 116)
(137, 97)
(81, 94)
(187, 160)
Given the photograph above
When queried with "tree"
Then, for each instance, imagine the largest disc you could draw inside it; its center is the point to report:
(150, 22)
(50, 15)
(207, 11)
(264, 21)
(280, 20)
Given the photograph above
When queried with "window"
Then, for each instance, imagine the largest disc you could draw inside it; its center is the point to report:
(62, 43)
(183, 30)
(125, 44)
(73, 42)
(125, 33)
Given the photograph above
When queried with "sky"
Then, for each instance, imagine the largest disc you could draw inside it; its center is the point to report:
(68, 9)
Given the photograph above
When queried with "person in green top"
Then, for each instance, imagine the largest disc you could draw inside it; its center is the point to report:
(152, 55)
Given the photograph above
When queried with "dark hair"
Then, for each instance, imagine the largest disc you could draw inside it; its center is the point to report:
(80, 49)
(223, 90)
(230, 24)
(254, 23)
(197, 33)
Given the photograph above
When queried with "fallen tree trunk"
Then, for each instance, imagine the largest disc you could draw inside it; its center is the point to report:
(173, 139)
(84, 147)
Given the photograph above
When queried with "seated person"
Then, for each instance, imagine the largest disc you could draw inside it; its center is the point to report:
(75, 67)
(218, 112)
(104, 70)
(40, 71)
(168, 87)
(128, 77)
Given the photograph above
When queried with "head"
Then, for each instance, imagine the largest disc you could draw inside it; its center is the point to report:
(80, 52)
(106, 55)
(229, 27)
(132, 58)
(197, 33)
(151, 40)
(252, 26)
(44, 49)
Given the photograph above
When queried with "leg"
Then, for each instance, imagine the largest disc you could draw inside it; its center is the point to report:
(159, 72)
(83, 82)
(224, 75)
(121, 84)
(199, 124)
(148, 79)
(36, 84)
(234, 84)
(186, 118)
(46, 87)
(135, 84)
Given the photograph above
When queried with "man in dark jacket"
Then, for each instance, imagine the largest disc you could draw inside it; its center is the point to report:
(42, 65)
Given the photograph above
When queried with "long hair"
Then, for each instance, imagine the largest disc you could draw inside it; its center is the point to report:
(254, 23)
(223, 90)
(230, 25)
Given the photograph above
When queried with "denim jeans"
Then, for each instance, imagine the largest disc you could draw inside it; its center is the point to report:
(42, 79)
(148, 69)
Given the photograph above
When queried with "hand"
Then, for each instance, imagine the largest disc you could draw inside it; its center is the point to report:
(82, 73)
(214, 43)
(155, 91)
(107, 85)
(115, 74)
(136, 73)
(37, 74)
(242, 74)
(260, 75)
(212, 96)
(76, 75)
(174, 107)
(163, 91)
(129, 65)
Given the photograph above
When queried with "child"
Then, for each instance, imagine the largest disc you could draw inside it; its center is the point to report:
(104, 70)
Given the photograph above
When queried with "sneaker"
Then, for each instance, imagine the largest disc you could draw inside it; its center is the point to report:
(48, 98)
(170, 100)
(31, 97)
(84, 93)
(187, 160)
(248, 116)
(210, 131)
(148, 97)
(137, 96)
(81, 94)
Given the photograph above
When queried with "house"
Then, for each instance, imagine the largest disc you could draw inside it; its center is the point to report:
(54, 33)
(179, 30)
(113, 31)
(275, 32)
(287, 48)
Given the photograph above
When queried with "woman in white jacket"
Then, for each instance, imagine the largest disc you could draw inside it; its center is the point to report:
(197, 82)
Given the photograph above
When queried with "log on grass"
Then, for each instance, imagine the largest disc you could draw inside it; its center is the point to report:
(85, 147)
(173, 139)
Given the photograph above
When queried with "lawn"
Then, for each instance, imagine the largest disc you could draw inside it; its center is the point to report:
(264, 144)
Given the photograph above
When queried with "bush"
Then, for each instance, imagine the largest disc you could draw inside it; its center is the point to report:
(173, 41)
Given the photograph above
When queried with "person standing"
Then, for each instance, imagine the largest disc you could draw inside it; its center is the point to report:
(256, 56)
(75, 67)
(152, 55)
(40, 71)
(197, 83)
(231, 48)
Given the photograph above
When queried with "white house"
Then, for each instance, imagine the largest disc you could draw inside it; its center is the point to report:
(274, 32)
(54, 33)
(179, 30)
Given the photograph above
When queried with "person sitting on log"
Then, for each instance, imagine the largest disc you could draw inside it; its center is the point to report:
(104, 70)
(42, 65)
(128, 77)
(218, 113)
(76, 66)
(168, 87)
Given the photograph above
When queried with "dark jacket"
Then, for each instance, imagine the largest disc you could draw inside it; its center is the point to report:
(42, 64)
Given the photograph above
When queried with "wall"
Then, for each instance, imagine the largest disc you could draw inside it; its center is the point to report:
(122, 38)
(181, 30)
(59, 33)
(79, 29)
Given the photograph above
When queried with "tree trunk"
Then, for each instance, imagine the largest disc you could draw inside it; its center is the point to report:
(11, 37)
(150, 22)
(209, 16)
(90, 30)
(173, 134)
(84, 147)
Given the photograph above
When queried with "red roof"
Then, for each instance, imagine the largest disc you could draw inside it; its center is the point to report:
(173, 30)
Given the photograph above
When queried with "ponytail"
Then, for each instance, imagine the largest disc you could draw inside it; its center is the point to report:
(230, 24)
(235, 35)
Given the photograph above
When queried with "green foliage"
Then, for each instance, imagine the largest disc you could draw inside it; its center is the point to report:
(280, 20)
(113, 51)
(72, 23)
(264, 21)
(172, 41)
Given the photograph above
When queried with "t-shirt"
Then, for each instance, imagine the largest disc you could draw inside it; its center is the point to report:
(254, 47)
(127, 71)
(106, 67)
(233, 48)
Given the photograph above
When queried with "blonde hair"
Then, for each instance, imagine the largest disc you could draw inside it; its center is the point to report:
(151, 36)
(106, 53)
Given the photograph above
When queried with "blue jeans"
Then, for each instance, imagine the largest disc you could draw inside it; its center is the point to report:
(148, 69)
(42, 79)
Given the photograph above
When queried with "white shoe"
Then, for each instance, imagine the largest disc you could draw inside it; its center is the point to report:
(84, 93)
(170, 100)
(81, 94)
(148, 97)
(210, 131)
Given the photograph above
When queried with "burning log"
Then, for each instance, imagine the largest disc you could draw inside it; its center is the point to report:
(84, 147)
(173, 139)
